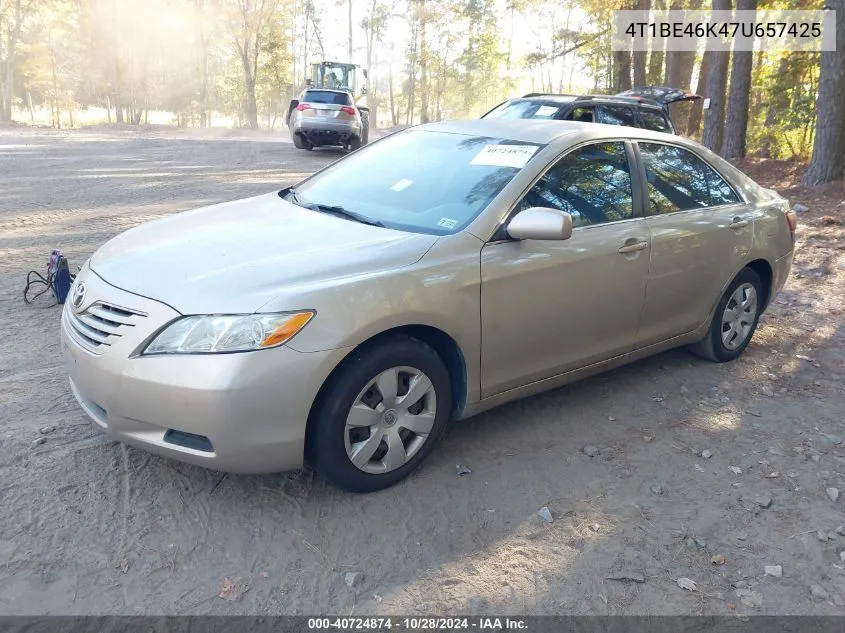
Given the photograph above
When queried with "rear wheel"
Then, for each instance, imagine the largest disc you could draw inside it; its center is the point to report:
(380, 416)
(734, 320)
(299, 142)
(365, 128)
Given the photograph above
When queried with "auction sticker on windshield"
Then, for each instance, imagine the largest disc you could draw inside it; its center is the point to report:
(504, 155)
(402, 184)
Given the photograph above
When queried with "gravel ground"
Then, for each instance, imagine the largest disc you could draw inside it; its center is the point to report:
(88, 526)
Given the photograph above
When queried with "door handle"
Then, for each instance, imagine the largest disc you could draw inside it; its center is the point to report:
(633, 248)
(738, 223)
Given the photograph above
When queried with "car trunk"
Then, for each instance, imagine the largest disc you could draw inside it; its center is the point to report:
(664, 95)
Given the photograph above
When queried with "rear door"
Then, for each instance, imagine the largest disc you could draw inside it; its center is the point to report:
(701, 235)
(616, 114)
(655, 120)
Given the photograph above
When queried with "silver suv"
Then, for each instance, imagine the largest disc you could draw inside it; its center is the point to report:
(327, 117)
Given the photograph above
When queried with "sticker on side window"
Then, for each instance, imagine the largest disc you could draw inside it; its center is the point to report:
(402, 184)
(504, 155)
(447, 223)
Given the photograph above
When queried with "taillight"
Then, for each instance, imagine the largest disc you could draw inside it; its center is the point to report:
(791, 220)
(348, 110)
(303, 106)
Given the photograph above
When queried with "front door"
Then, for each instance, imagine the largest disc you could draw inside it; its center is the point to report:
(551, 306)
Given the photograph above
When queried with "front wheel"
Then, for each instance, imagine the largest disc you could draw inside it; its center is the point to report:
(380, 415)
(734, 320)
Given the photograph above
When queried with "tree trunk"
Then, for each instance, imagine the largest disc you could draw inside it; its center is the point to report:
(638, 58)
(424, 114)
(13, 32)
(828, 162)
(717, 79)
(412, 76)
(31, 109)
(203, 44)
(656, 58)
(390, 88)
(621, 70)
(56, 110)
(349, 4)
(250, 104)
(674, 59)
(736, 123)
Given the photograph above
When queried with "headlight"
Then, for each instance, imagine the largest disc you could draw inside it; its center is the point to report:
(227, 333)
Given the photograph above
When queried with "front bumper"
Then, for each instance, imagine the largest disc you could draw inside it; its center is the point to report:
(251, 407)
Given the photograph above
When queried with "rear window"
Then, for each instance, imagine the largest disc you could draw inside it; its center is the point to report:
(617, 115)
(326, 96)
(654, 121)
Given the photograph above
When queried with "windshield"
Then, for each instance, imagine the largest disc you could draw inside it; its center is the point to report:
(525, 110)
(420, 181)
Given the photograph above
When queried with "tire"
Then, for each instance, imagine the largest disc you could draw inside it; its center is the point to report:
(300, 143)
(352, 394)
(365, 129)
(714, 346)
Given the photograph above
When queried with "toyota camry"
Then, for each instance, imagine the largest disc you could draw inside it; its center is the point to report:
(344, 322)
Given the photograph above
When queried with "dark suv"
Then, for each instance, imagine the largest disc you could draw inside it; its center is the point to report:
(646, 107)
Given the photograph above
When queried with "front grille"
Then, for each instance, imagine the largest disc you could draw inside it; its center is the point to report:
(100, 324)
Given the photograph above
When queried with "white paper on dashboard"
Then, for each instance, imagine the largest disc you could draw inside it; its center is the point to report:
(504, 155)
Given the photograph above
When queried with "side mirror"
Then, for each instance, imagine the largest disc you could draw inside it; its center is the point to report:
(540, 223)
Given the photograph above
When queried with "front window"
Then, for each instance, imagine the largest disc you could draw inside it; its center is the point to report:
(592, 184)
(526, 110)
(420, 181)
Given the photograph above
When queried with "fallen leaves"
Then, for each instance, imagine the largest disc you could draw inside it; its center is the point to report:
(231, 590)
(686, 583)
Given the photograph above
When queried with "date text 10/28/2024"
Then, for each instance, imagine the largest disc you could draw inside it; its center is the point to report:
(396, 625)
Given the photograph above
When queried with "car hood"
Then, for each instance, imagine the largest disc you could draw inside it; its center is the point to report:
(237, 256)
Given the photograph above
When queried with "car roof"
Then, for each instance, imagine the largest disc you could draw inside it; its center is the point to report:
(544, 131)
(335, 90)
(537, 97)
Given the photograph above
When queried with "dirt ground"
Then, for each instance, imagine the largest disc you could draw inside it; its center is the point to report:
(88, 526)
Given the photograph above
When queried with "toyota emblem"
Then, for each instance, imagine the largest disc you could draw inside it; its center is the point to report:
(78, 295)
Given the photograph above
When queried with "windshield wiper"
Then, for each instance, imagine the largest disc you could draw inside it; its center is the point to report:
(341, 211)
(290, 194)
